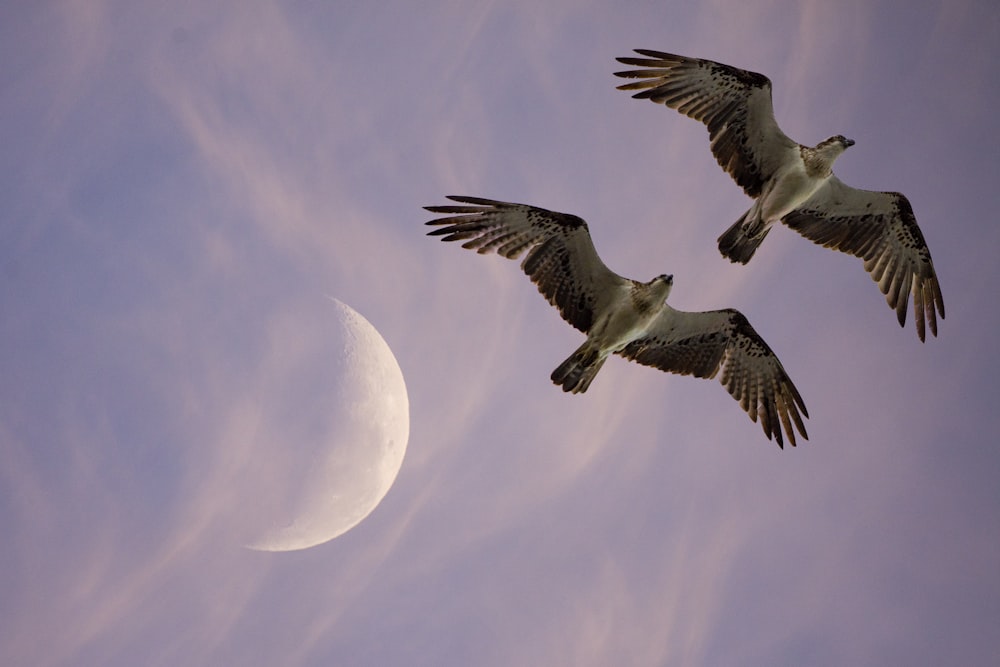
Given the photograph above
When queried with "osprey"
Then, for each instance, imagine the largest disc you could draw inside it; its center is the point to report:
(791, 182)
(626, 317)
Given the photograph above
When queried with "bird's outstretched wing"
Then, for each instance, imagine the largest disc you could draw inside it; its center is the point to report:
(702, 344)
(880, 228)
(734, 104)
(561, 259)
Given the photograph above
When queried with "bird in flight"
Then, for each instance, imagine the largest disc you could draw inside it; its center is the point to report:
(623, 316)
(791, 182)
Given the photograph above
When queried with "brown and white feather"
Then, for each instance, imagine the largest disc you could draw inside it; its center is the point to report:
(561, 261)
(880, 228)
(705, 343)
(734, 104)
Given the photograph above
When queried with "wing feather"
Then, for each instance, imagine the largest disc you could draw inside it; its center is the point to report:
(734, 104)
(561, 259)
(880, 228)
(702, 344)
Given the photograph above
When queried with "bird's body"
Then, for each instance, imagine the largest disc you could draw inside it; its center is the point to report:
(623, 316)
(803, 171)
(790, 182)
(636, 308)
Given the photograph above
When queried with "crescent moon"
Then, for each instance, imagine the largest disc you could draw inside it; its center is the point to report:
(356, 468)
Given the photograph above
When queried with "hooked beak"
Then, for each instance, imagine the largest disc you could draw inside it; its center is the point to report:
(848, 143)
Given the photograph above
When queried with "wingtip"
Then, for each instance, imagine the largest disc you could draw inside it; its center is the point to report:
(651, 53)
(791, 438)
(437, 221)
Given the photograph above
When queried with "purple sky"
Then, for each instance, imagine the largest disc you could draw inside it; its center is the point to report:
(181, 188)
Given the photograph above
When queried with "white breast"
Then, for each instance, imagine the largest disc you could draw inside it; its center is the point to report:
(790, 187)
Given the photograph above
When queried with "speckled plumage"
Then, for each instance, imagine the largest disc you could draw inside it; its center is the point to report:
(792, 183)
(623, 316)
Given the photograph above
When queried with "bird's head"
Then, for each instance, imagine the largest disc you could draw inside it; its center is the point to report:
(835, 145)
(662, 285)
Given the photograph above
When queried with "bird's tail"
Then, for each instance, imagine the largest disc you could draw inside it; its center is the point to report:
(576, 373)
(740, 242)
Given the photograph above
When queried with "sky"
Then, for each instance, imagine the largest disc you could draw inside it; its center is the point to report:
(183, 186)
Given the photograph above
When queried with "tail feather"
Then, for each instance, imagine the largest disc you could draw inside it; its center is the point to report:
(739, 244)
(578, 371)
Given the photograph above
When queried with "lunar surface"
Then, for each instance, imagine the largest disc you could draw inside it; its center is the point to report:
(359, 448)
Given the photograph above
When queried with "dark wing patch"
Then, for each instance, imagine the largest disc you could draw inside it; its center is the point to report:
(880, 228)
(702, 344)
(734, 104)
(561, 259)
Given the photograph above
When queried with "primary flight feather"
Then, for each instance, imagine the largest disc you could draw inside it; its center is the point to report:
(623, 316)
(791, 182)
